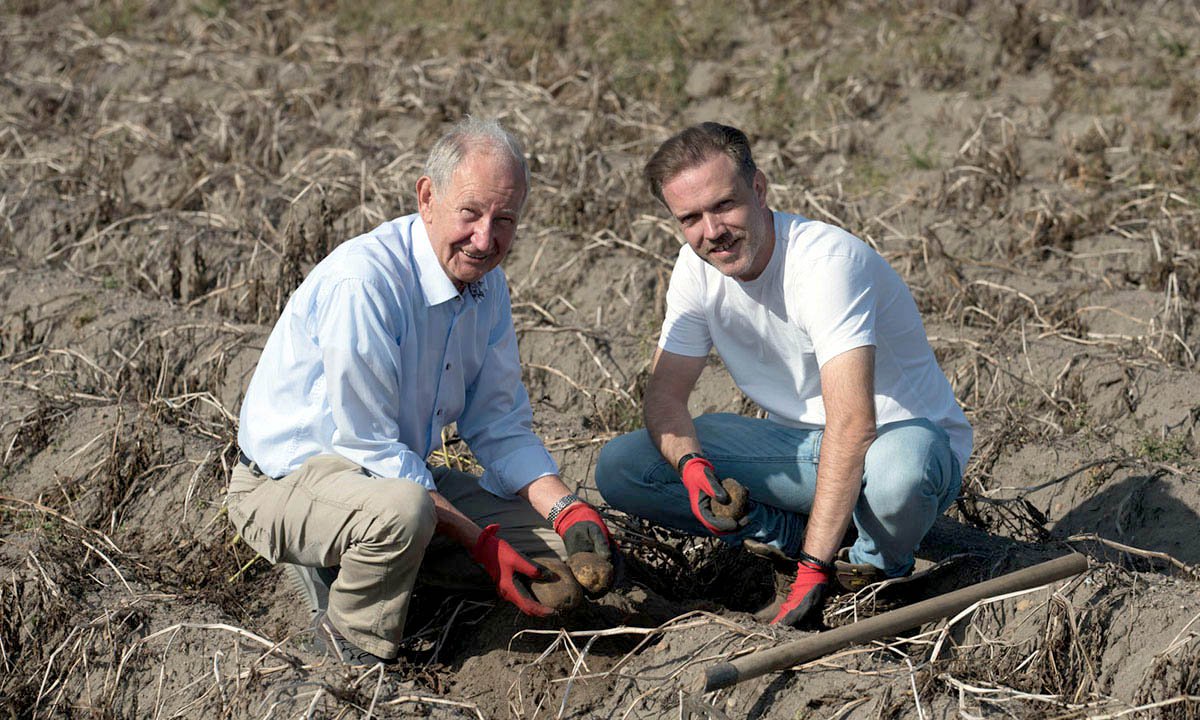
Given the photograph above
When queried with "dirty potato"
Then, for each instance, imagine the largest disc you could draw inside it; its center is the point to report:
(558, 590)
(736, 507)
(593, 572)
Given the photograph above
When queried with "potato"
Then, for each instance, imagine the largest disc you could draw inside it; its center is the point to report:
(738, 501)
(593, 572)
(738, 497)
(558, 591)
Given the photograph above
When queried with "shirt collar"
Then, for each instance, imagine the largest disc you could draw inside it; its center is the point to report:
(436, 286)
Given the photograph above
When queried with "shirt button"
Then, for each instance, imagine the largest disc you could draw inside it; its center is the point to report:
(447, 366)
(439, 412)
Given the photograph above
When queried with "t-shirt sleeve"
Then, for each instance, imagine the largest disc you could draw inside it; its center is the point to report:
(838, 305)
(685, 327)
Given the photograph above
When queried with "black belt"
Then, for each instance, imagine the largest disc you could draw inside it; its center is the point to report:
(244, 459)
(252, 466)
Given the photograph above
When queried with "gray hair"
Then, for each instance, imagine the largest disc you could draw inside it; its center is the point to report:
(473, 134)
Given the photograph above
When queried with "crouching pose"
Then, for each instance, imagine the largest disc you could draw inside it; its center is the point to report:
(395, 335)
(817, 329)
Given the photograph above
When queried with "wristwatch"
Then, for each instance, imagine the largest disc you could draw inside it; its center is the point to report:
(561, 505)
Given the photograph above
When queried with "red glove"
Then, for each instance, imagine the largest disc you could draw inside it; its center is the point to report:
(700, 479)
(808, 590)
(503, 564)
(582, 530)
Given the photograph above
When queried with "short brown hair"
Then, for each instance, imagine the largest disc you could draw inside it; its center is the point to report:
(693, 146)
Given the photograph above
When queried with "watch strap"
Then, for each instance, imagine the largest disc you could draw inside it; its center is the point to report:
(813, 560)
(561, 505)
(684, 460)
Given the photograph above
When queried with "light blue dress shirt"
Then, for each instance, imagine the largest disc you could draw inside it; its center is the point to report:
(376, 352)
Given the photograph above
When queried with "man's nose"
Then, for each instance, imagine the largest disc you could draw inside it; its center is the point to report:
(713, 228)
(483, 235)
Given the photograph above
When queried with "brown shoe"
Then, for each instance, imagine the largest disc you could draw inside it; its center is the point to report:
(782, 562)
(785, 569)
(852, 577)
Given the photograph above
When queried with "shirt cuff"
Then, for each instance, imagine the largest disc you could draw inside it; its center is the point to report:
(504, 477)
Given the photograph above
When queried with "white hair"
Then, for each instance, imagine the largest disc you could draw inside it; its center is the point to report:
(471, 134)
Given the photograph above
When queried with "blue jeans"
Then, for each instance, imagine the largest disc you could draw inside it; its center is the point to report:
(910, 477)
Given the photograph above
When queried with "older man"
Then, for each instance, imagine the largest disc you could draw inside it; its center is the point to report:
(392, 337)
(816, 328)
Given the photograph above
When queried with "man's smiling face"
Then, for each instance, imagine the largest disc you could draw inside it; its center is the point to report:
(472, 222)
(724, 218)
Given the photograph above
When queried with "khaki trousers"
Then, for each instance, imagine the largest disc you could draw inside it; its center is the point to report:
(380, 531)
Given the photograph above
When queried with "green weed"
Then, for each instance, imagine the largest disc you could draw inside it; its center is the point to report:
(921, 159)
(866, 175)
(1171, 449)
(211, 8)
(114, 17)
(1175, 47)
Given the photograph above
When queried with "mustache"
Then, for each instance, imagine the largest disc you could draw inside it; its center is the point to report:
(724, 239)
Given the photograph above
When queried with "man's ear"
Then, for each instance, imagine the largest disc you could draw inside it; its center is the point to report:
(760, 188)
(425, 197)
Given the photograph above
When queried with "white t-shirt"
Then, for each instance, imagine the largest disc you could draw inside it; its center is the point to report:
(823, 292)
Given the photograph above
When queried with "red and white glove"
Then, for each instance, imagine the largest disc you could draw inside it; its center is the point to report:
(504, 564)
(808, 591)
(700, 478)
(583, 530)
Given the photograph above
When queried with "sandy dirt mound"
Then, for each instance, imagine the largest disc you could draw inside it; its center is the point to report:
(170, 171)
